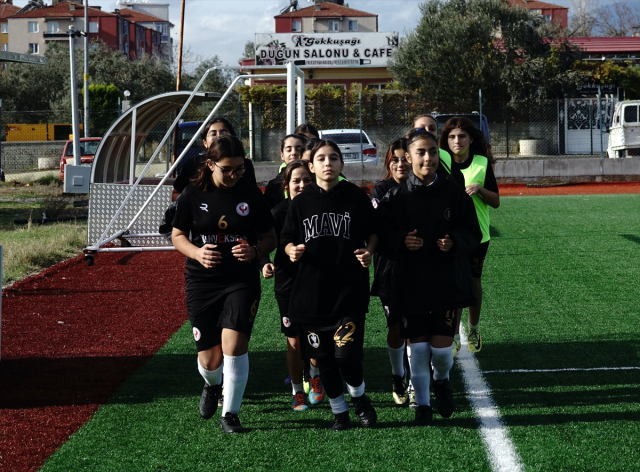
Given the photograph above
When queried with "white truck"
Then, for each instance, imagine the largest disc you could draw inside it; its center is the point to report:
(624, 133)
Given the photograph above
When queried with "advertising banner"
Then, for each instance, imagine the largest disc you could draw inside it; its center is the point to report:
(325, 49)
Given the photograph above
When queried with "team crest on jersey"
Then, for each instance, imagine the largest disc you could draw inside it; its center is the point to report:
(242, 209)
(204, 207)
(286, 322)
(375, 202)
(447, 213)
(196, 334)
(314, 340)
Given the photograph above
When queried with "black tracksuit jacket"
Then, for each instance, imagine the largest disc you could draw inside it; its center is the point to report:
(331, 283)
(429, 280)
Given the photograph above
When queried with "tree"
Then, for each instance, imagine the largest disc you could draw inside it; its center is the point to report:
(216, 81)
(619, 19)
(103, 106)
(461, 46)
(249, 50)
(583, 18)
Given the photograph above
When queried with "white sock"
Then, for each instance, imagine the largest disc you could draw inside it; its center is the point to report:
(297, 388)
(442, 361)
(420, 372)
(338, 405)
(314, 371)
(236, 373)
(212, 377)
(472, 326)
(396, 356)
(356, 391)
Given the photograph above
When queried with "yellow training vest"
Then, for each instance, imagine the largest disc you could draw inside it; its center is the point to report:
(475, 174)
(445, 158)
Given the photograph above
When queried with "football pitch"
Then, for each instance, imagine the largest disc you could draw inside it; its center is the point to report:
(560, 364)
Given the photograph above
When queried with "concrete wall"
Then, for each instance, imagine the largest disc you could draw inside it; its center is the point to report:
(507, 171)
(24, 155)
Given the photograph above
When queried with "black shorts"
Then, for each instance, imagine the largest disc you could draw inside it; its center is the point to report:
(391, 317)
(211, 310)
(286, 326)
(440, 323)
(346, 342)
(476, 259)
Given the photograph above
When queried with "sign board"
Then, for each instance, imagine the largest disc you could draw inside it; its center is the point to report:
(592, 87)
(325, 49)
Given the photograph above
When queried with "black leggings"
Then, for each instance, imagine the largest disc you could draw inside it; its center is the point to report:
(333, 371)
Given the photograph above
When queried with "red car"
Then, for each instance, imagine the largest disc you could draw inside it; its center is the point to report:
(88, 148)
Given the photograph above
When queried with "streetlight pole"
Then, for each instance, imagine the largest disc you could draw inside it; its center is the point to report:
(178, 79)
(86, 69)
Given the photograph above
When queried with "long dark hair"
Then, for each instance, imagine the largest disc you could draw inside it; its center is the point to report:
(288, 172)
(217, 119)
(301, 137)
(224, 146)
(477, 148)
(325, 142)
(418, 134)
(307, 128)
(400, 143)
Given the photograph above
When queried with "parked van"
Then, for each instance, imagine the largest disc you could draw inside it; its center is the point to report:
(624, 133)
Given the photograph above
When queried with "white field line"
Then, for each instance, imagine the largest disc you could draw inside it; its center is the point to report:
(501, 451)
(568, 369)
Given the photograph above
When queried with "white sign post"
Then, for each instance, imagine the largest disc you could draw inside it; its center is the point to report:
(348, 49)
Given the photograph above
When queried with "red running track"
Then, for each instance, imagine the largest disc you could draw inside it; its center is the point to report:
(71, 335)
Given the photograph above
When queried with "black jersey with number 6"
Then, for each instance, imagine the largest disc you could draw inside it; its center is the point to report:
(221, 217)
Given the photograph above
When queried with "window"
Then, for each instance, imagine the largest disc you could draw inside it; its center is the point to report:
(296, 26)
(5, 47)
(93, 27)
(546, 18)
(631, 114)
(52, 27)
(5, 28)
(33, 27)
(353, 25)
(34, 48)
(334, 25)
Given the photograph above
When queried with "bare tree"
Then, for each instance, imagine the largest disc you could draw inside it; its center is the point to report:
(583, 18)
(619, 19)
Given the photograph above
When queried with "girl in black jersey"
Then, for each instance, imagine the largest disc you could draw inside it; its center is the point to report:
(329, 233)
(470, 155)
(429, 223)
(291, 149)
(213, 129)
(296, 177)
(223, 225)
(397, 171)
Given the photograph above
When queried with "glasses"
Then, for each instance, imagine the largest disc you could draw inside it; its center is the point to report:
(395, 162)
(215, 133)
(229, 171)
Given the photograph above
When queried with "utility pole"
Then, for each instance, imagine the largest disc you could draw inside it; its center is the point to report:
(178, 79)
(74, 96)
(86, 69)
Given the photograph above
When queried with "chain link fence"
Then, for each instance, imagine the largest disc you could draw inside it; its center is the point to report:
(31, 143)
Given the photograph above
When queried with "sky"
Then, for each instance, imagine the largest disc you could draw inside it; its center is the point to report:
(222, 27)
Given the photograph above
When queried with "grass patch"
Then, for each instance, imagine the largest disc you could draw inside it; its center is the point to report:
(30, 249)
(560, 291)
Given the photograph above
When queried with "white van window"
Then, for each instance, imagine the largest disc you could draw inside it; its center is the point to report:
(631, 114)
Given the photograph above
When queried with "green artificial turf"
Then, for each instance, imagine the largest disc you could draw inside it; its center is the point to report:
(561, 289)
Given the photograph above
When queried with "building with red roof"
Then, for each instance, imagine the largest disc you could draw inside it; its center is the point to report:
(36, 25)
(7, 9)
(626, 48)
(324, 17)
(553, 13)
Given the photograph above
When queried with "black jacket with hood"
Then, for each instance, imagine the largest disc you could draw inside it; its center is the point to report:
(429, 280)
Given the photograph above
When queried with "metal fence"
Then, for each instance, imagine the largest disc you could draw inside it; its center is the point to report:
(32, 142)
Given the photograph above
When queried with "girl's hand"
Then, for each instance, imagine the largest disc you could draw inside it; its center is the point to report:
(243, 251)
(268, 270)
(296, 252)
(473, 189)
(445, 244)
(207, 256)
(412, 241)
(364, 256)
